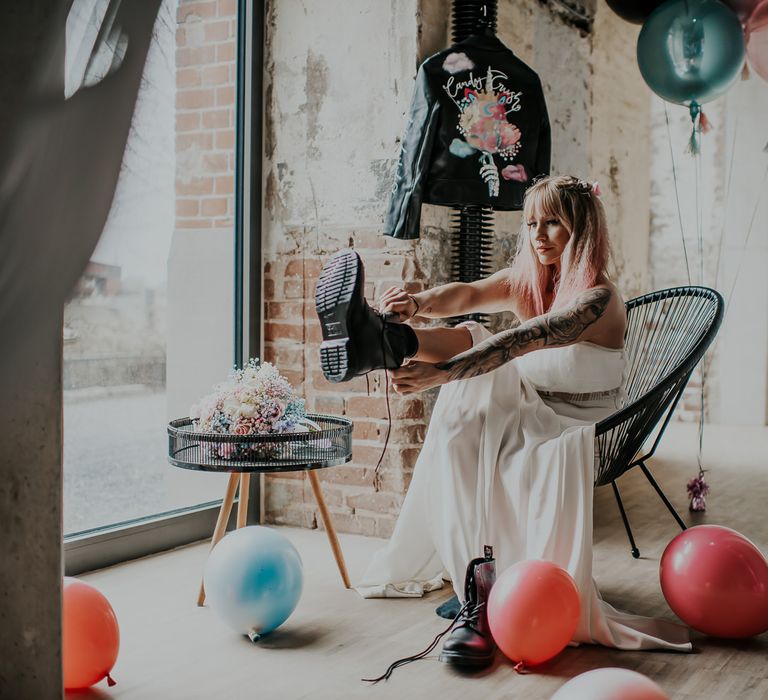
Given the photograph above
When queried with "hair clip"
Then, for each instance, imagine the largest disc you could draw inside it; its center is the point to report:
(596, 189)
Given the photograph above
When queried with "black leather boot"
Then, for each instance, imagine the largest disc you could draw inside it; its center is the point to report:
(470, 643)
(356, 339)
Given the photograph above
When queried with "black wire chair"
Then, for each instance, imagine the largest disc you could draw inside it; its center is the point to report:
(667, 334)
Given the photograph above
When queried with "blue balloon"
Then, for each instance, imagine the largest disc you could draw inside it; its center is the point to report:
(691, 51)
(253, 580)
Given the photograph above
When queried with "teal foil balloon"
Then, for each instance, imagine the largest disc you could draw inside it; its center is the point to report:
(691, 51)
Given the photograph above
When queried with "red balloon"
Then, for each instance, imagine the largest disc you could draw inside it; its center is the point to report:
(533, 611)
(756, 35)
(91, 635)
(716, 581)
(610, 684)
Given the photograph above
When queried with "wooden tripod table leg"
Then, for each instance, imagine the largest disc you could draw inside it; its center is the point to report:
(329, 529)
(242, 502)
(221, 524)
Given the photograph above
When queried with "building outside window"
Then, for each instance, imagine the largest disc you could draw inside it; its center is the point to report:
(151, 325)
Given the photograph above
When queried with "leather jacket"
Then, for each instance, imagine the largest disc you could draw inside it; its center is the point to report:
(478, 133)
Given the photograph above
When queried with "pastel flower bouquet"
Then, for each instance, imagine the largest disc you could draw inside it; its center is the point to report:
(255, 400)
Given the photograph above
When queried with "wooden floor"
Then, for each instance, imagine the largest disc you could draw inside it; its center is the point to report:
(172, 649)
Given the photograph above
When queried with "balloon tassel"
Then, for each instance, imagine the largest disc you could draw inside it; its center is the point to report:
(698, 489)
(745, 71)
(704, 124)
(111, 681)
(693, 142)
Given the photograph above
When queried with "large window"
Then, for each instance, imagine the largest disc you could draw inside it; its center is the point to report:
(154, 321)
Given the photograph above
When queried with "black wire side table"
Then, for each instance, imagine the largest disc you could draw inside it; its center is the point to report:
(243, 455)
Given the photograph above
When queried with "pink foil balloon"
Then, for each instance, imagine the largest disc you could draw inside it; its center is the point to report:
(610, 684)
(716, 581)
(756, 34)
(533, 611)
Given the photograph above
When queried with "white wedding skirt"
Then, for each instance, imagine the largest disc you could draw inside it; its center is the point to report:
(505, 466)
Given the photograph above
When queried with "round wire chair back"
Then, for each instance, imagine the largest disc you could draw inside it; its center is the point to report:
(668, 332)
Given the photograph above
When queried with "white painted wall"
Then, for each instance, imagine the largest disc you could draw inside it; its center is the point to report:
(732, 189)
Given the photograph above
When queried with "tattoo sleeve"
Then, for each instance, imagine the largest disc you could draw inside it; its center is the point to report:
(555, 329)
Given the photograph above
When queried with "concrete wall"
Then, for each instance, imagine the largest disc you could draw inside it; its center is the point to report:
(30, 446)
(31, 513)
(620, 152)
(339, 80)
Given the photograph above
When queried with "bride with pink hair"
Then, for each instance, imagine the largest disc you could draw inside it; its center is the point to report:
(508, 459)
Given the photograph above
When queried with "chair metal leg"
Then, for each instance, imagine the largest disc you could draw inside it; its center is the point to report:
(635, 550)
(670, 507)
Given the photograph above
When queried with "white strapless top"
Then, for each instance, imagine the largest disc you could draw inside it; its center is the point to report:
(584, 381)
(579, 368)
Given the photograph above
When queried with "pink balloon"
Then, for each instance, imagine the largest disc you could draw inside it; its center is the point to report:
(716, 581)
(610, 684)
(756, 35)
(742, 8)
(533, 611)
(91, 635)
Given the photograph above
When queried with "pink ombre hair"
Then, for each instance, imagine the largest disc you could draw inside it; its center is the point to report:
(585, 259)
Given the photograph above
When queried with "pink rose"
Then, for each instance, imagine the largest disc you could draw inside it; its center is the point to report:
(492, 135)
(509, 133)
(457, 62)
(515, 172)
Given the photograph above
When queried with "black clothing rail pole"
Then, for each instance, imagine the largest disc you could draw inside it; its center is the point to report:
(472, 224)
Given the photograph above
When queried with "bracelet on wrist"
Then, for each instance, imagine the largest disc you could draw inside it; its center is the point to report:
(412, 298)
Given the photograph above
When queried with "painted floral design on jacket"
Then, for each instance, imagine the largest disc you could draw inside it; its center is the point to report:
(483, 105)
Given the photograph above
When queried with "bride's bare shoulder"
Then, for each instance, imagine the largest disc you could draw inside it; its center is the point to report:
(608, 329)
(616, 300)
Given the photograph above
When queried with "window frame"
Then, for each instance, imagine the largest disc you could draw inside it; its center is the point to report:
(106, 546)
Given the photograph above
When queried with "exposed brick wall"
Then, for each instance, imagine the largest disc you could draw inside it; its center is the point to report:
(206, 51)
(291, 340)
(205, 121)
(331, 139)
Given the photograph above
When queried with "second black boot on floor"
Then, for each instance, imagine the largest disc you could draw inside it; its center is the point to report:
(470, 643)
(356, 339)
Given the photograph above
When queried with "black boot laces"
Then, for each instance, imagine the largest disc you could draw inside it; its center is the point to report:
(376, 473)
(468, 615)
(471, 616)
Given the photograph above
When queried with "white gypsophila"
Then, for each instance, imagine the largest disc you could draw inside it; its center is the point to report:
(247, 410)
(230, 406)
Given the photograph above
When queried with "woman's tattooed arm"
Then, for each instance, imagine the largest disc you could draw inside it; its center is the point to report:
(557, 328)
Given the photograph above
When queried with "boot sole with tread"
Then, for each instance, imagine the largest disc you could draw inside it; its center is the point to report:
(334, 293)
